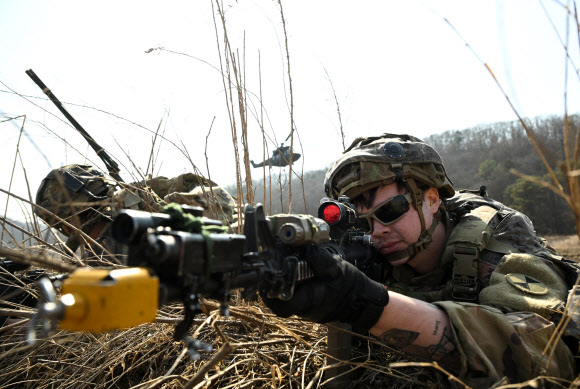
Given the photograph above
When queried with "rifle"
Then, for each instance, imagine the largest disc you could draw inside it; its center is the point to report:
(112, 166)
(181, 256)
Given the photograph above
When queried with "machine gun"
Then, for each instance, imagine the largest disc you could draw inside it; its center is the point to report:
(181, 256)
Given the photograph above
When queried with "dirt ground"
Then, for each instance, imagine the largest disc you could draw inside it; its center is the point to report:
(567, 246)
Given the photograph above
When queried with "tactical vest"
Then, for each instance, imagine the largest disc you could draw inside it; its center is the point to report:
(475, 218)
(478, 218)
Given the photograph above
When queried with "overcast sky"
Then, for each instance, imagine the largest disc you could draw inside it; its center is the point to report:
(395, 66)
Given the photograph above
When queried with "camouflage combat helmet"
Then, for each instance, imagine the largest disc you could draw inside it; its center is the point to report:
(69, 191)
(382, 160)
(375, 161)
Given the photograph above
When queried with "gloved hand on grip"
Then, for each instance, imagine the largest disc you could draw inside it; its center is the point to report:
(339, 292)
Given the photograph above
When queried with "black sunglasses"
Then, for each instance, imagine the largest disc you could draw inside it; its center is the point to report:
(387, 212)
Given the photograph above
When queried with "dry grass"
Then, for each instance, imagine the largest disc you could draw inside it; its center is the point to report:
(565, 242)
(251, 349)
(566, 245)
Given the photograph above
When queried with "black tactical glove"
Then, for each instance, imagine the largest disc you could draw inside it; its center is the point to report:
(339, 292)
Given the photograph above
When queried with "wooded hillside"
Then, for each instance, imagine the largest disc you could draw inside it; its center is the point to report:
(481, 155)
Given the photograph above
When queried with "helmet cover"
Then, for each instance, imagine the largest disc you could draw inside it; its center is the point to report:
(374, 161)
(70, 190)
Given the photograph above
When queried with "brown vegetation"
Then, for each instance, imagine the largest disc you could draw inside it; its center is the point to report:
(567, 246)
(253, 347)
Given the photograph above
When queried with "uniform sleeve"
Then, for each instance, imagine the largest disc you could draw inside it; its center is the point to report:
(508, 334)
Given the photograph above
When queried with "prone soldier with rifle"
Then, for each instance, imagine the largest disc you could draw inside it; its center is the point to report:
(80, 202)
(470, 284)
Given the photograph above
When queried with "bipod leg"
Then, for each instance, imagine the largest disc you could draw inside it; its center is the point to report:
(192, 308)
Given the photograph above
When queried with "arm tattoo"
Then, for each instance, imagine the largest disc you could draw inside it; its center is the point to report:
(437, 322)
(403, 340)
(399, 338)
(439, 350)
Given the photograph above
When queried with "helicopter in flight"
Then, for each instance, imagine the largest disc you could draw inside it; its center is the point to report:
(280, 157)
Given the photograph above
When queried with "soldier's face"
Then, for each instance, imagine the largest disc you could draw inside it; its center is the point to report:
(401, 233)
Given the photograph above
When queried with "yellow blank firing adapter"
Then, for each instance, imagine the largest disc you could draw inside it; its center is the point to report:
(97, 300)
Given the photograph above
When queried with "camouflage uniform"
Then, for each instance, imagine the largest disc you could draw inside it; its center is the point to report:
(504, 331)
(72, 193)
(504, 323)
(85, 197)
(81, 196)
(196, 190)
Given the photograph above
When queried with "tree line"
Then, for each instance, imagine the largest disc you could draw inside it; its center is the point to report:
(487, 155)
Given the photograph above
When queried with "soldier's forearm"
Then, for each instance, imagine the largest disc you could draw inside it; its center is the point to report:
(416, 327)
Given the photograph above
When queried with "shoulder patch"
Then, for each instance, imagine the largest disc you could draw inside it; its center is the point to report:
(526, 284)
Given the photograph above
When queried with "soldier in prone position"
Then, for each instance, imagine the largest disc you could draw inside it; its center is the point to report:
(468, 283)
(87, 199)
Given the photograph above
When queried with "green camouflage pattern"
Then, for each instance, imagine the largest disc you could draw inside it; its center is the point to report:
(374, 161)
(56, 196)
(138, 197)
(512, 320)
(183, 183)
(216, 202)
(502, 291)
(67, 197)
(196, 190)
(504, 347)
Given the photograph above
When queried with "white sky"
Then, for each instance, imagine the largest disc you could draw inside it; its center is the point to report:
(396, 66)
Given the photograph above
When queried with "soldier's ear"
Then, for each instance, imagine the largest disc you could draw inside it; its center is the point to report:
(431, 197)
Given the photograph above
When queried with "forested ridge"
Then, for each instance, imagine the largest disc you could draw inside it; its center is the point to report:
(482, 155)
